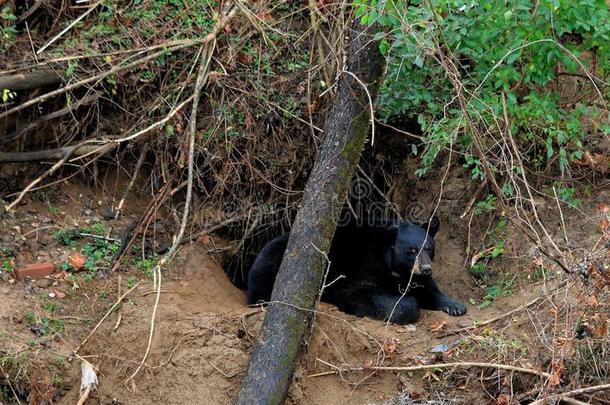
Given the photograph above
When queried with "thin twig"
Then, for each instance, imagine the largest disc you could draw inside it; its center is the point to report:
(505, 315)
(136, 170)
(72, 24)
(202, 77)
(108, 238)
(573, 393)
(465, 364)
(52, 170)
(209, 38)
(527, 186)
(112, 308)
(101, 76)
(474, 198)
(55, 114)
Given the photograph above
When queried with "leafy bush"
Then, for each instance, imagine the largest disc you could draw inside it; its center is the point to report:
(450, 63)
(7, 28)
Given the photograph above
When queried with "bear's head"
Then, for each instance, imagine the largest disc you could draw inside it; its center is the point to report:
(410, 247)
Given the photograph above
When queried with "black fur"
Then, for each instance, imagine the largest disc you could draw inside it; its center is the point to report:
(377, 261)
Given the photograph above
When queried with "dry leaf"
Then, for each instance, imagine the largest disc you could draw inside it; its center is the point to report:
(244, 58)
(61, 275)
(596, 161)
(430, 374)
(437, 326)
(265, 16)
(390, 346)
(556, 372)
(422, 361)
(603, 208)
(59, 293)
(205, 240)
(601, 330)
(503, 399)
(214, 76)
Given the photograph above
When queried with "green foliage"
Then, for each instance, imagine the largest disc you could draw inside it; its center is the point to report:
(57, 379)
(67, 236)
(566, 194)
(51, 307)
(8, 266)
(8, 95)
(44, 326)
(95, 229)
(7, 28)
(484, 271)
(6, 251)
(513, 49)
(147, 265)
(131, 281)
(499, 344)
(98, 253)
(503, 287)
(122, 25)
(67, 267)
(486, 205)
(71, 69)
(479, 270)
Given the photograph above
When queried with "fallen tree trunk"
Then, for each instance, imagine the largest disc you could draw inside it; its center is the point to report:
(29, 81)
(300, 276)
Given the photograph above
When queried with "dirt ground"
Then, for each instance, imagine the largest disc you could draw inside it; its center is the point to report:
(204, 332)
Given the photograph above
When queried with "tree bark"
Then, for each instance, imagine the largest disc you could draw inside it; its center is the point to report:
(29, 81)
(300, 276)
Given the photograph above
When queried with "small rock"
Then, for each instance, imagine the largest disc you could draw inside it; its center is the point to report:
(43, 283)
(107, 213)
(410, 327)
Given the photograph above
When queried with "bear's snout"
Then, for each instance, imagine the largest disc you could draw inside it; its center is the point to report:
(426, 269)
(424, 264)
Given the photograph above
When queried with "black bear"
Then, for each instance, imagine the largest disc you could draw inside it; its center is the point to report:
(371, 265)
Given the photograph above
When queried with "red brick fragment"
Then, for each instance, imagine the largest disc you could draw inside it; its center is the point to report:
(77, 260)
(35, 271)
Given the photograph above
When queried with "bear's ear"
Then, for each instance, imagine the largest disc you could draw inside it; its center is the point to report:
(432, 225)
